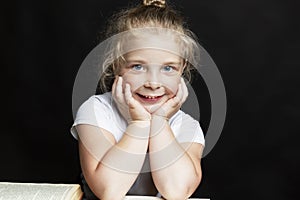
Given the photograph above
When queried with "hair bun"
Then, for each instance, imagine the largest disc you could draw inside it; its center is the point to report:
(157, 3)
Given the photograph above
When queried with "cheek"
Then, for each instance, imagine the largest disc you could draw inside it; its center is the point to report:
(134, 81)
(171, 84)
(137, 80)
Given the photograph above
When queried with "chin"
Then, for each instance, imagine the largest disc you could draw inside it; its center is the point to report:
(151, 108)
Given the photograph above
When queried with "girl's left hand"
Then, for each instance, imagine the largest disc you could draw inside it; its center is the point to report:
(171, 106)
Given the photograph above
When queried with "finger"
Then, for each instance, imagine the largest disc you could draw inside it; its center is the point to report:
(185, 90)
(114, 85)
(119, 90)
(171, 103)
(178, 96)
(128, 95)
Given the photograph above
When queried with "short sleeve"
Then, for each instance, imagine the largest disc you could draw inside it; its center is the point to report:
(186, 128)
(96, 111)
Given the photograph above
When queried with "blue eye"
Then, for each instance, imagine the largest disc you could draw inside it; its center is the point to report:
(168, 68)
(137, 67)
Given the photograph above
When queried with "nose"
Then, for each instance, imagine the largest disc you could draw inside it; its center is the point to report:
(152, 85)
(152, 80)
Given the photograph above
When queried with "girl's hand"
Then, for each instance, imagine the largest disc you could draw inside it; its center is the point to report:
(171, 106)
(131, 109)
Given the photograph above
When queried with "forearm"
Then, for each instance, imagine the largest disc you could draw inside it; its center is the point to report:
(119, 167)
(174, 172)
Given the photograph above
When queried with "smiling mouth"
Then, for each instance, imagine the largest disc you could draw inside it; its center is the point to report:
(149, 98)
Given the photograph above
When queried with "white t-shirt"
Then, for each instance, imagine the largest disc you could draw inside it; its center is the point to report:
(101, 111)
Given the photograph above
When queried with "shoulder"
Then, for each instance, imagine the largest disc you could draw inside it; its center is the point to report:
(96, 102)
(101, 99)
(101, 111)
(98, 108)
(186, 128)
(181, 117)
(105, 98)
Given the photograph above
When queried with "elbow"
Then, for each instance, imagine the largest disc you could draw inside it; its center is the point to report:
(104, 191)
(175, 194)
(179, 191)
(110, 195)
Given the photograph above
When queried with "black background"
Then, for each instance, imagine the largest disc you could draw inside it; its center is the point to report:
(254, 43)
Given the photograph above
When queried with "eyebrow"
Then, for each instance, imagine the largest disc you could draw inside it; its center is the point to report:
(172, 63)
(135, 61)
(139, 60)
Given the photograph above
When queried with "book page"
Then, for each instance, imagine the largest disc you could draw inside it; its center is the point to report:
(38, 191)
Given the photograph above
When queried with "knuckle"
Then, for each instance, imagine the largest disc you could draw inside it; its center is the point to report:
(119, 96)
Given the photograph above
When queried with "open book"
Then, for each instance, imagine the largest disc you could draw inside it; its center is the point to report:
(39, 191)
(50, 191)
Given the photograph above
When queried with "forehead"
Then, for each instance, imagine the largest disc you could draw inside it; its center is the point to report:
(168, 41)
(151, 55)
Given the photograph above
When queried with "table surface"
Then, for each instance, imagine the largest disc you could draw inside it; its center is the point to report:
(154, 198)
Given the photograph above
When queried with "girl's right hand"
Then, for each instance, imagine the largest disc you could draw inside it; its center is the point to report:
(130, 108)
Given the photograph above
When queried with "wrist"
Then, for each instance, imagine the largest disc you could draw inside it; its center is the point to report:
(146, 118)
(158, 124)
(139, 129)
(161, 117)
(139, 121)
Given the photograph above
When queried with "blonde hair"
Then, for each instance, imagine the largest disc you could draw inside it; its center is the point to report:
(151, 13)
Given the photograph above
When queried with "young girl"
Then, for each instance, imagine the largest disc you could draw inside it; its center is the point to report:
(133, 138)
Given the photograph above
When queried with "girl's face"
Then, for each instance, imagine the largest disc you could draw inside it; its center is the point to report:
(153, 76)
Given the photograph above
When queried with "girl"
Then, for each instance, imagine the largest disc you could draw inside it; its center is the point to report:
(133, 138)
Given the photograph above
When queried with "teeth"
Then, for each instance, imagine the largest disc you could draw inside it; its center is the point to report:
(149, 97)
